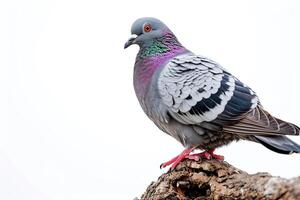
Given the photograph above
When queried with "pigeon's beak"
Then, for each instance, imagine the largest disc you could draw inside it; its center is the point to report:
(130, 41)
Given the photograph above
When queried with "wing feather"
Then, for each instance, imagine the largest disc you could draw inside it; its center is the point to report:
(198, 90)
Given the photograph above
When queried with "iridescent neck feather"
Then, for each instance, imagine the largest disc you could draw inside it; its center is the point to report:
(159, 46)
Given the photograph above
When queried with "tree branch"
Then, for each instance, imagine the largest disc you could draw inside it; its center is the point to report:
(211, 179)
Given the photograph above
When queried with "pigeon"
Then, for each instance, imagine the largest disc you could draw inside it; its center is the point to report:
(196, 101)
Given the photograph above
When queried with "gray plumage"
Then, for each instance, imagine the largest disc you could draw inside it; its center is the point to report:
(195, 100)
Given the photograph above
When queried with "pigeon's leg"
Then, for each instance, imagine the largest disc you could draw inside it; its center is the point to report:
(176, 160)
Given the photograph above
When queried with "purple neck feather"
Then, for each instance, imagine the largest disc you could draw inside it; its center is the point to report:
(147, 65)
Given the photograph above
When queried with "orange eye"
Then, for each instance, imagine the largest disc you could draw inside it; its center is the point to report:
(147, 28)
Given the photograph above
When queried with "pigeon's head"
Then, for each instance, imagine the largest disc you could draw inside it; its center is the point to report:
(145, 30)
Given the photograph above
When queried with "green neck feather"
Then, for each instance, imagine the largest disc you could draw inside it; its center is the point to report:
(160, 46)
(155, 48)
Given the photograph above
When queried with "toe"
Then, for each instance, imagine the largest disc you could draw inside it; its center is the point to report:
(193, 157)
(218, 157)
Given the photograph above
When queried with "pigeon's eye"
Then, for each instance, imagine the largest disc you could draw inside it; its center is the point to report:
(147, 28)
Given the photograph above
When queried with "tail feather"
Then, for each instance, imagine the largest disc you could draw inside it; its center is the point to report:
(260, 122)
(280, 144)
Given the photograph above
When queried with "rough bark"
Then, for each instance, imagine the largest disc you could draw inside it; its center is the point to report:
(211, 179)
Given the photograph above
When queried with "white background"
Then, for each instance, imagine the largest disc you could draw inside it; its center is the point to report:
(70, 125)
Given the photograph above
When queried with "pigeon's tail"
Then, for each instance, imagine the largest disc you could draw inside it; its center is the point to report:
(278, 143)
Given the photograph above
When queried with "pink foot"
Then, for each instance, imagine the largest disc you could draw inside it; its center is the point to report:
(197, 156)
(176, 160)
(186, 155)
(207, 155)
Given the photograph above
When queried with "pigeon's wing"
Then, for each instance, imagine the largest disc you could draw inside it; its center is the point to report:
(197, 90)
